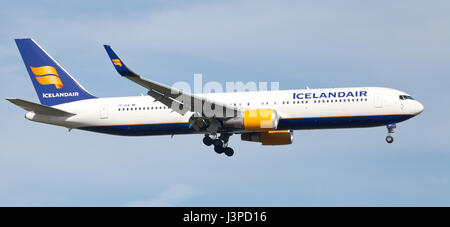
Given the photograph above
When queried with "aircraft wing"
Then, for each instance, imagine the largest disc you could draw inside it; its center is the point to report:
(40, 109)
(173, 98)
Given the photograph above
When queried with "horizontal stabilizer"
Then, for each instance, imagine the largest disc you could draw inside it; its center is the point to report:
(40, 109)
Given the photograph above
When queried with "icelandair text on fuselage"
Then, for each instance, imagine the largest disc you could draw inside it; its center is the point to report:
(58, 95)
(340, 94)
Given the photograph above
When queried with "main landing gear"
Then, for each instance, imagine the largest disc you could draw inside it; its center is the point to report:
(220, 143)
(390, 128)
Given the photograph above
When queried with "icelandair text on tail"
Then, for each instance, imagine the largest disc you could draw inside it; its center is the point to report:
(57, 95)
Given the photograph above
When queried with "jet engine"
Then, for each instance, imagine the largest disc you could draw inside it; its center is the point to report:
(254, 120)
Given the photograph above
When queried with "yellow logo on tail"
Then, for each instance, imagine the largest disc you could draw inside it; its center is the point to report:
(47, 75)
(117, 62)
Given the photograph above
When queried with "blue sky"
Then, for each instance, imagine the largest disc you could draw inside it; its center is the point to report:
(397, 44)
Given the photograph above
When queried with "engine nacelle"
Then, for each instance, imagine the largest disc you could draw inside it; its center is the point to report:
(281, 137)
(254, 120)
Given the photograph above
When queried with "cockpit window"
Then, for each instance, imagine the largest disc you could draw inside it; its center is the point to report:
(405, 97)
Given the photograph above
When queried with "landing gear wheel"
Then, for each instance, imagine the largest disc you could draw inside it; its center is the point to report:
(207, 141)
(389, 139)
(217, 143)
(228, 151)
(220, 143)
(218, 150)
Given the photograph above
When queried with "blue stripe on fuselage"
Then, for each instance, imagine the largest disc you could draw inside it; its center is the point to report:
(143, 130)
(340, 122)
(284, 124)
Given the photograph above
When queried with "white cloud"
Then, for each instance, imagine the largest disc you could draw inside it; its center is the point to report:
(174, 195)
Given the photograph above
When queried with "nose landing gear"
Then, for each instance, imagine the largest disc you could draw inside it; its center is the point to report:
(390, 128)
(389, 139)
(220, 144)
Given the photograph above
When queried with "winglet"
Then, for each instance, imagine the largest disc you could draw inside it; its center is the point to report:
(120, 66)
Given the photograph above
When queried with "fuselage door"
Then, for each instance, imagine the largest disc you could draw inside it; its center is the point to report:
(378, 100)
(104, 112)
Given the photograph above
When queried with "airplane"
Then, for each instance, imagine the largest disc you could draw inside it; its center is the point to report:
(266, 117)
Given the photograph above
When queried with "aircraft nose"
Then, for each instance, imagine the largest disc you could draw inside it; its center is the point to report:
(419, 108)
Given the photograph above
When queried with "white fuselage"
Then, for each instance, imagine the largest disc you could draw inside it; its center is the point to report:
(298, 109)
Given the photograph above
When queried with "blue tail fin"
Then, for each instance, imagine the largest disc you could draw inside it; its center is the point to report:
(53, 83)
